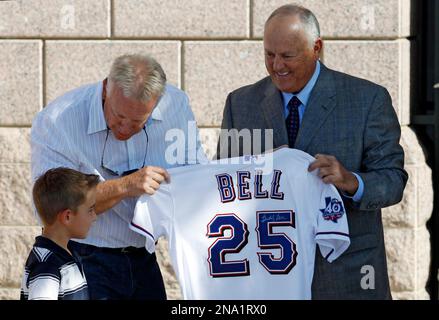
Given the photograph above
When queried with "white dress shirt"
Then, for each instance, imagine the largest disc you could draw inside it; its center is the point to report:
(70, 132)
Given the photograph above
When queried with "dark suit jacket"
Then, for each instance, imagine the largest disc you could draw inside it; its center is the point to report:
(353, 120)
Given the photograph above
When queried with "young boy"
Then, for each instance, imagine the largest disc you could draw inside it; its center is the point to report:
(65, 202)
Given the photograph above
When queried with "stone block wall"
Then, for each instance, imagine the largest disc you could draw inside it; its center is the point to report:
(207, 48)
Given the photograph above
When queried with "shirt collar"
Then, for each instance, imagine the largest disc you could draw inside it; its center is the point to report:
(43, 242)
(157, 113)
(96, 120)
(304, 94)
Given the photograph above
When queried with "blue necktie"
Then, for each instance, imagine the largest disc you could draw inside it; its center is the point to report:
(293, 121)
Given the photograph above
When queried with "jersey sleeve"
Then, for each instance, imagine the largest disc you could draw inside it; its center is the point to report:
(152, 216)
(332, 233)
(44, 282)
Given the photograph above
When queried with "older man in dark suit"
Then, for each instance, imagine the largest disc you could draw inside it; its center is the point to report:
(351, 128)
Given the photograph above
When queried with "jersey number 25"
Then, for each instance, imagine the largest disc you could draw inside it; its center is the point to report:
(267, 239)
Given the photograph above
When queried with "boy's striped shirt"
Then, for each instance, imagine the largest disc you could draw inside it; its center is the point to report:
(51, 273)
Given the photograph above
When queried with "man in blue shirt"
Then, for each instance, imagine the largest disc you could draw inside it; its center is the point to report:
(117, 129)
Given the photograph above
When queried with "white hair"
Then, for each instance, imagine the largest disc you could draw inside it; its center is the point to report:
(139, 76)
(308, 20)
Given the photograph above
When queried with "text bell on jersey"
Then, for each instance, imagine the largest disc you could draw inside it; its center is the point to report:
(226, 187)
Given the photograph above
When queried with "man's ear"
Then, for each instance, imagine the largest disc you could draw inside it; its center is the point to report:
(65, 216)
(318, 46)
(104, 89)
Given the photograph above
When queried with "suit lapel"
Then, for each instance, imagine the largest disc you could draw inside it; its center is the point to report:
(320, 105)
(273, 114)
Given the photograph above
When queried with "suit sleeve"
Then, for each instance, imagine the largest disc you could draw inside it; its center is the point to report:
(223, 148)
(382, 169)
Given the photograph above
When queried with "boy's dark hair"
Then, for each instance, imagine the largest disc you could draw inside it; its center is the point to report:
(60, 189)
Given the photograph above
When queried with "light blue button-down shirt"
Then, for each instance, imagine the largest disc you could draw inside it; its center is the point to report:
(303, 96)
(71, 131)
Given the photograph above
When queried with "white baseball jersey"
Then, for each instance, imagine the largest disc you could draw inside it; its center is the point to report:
(236, 233)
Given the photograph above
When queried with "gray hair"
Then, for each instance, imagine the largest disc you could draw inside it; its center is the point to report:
(139, 76)
(309, 21)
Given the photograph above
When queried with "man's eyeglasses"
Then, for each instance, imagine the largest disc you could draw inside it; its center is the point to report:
(125, 172)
